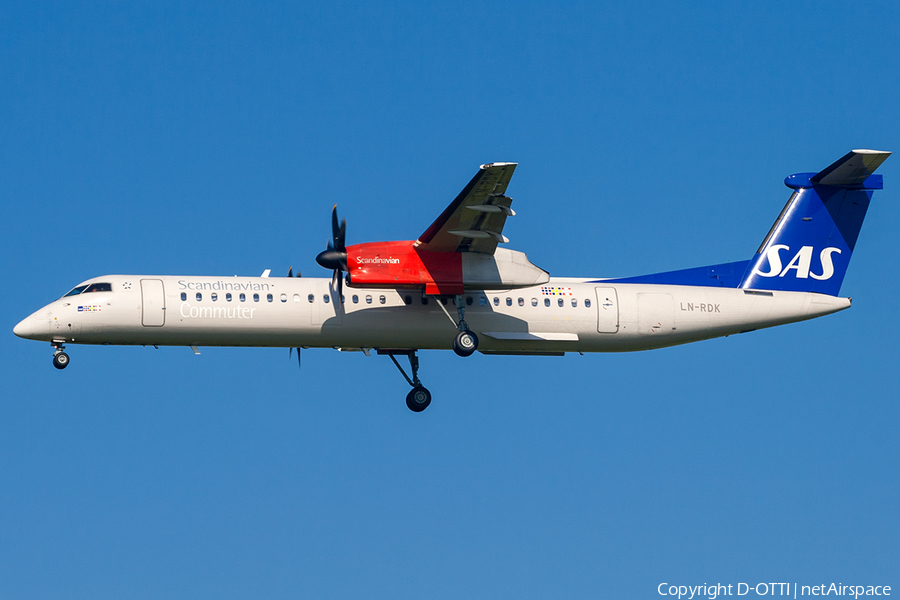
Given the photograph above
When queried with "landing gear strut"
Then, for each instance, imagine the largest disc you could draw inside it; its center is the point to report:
(60, 358)
(466, 342)
(418, 398)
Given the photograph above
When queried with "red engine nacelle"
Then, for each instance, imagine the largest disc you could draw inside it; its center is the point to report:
(401, 265)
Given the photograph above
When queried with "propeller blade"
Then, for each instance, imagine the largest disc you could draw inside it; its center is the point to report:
(340, 298)
(338, 233)
(342, 235)
(335, 254)
(291, 271)
(291, 355)
(334, 221)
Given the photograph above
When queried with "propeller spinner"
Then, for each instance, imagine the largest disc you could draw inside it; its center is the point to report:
(335, 255)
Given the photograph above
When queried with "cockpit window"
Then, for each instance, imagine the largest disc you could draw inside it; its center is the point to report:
(76, 291)
(98, 287)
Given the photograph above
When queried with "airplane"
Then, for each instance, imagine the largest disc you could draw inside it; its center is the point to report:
(456, 287)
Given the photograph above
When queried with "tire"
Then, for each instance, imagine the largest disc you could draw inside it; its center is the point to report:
(418, 399)
(465, 343)
(60, 360)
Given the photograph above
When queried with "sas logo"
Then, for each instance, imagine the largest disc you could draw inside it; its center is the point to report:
(800, 263)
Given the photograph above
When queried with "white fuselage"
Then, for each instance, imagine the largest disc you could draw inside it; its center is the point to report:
(306, 312)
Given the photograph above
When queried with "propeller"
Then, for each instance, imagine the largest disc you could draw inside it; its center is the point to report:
(335, 255)
(291, 351)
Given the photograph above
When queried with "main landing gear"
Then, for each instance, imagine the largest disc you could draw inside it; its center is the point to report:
(418, 398)
(465, 342)
(60, 358)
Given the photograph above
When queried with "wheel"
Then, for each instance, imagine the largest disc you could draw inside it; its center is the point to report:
(465, 343)
(60, 360)
(418, 399)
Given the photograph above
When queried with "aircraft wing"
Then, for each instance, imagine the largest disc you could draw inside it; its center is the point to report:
(474, 220)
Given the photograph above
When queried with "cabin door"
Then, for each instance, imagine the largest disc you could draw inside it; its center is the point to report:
(607, 310)
(153, 301)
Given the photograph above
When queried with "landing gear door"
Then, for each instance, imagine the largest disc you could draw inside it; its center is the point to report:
(153, 301)
(607, 310)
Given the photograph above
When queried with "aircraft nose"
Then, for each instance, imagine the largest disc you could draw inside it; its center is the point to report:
(25, 328)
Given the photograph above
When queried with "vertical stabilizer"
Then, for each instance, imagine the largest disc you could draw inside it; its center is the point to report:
(808, 248)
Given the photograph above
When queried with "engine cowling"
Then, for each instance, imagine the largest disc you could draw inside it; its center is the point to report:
(402, 265)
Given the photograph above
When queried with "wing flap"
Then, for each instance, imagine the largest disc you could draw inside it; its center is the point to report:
(532, 336)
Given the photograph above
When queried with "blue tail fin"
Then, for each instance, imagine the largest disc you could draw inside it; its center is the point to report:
(809, 246)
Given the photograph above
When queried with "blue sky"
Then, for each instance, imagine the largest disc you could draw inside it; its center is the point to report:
(213, 138)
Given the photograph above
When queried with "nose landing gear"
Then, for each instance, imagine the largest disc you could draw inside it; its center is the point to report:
(418, 398)
(60, 358)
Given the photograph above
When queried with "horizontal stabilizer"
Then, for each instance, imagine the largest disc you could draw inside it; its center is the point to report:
(852, 169)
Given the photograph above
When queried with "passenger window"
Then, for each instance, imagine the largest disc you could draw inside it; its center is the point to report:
(468, 300)
(269, 297)
(256, 297)
(228, 297)
(496, 301)
(382, 299)
(560, 302)
(574, 302)
(76, 291)
(521, 301)
(407, 299)
(587, 303)
(183, 297)
(534, 301)
(546, 301)
(355, 299)
(243, 297)
(424, 300)
(284, 297)
(199, 297)
(326, 298)
(296, 297)
(482, 300)
(509, 301)
(214, 296)
(311, 298)
(368, 299)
